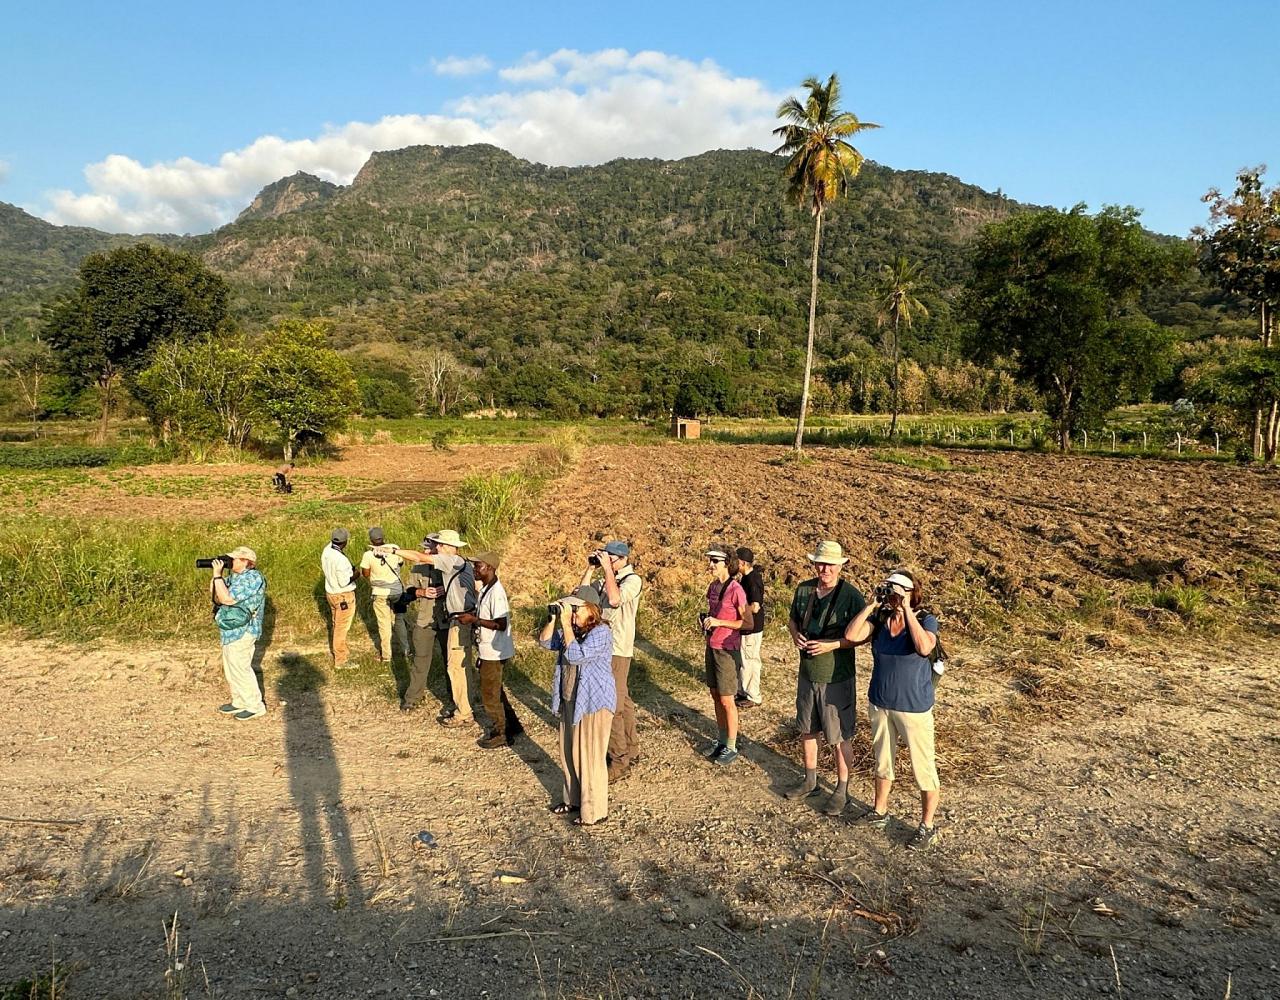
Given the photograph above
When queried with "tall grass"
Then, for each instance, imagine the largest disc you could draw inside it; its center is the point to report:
(86, 579)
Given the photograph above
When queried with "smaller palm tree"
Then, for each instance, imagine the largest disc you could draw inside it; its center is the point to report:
(898, 305)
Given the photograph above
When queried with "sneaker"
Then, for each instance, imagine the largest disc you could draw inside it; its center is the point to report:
(712, 751)
(924, 837)
(873, 819)
(725, 757)
(446, 713)
(493, 742)
(745, 704)
(455, 721)
(410, 708)
(247, 714)
(228, 709)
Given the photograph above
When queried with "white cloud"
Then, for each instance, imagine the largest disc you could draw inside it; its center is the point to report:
(461, 65)
(569, 108)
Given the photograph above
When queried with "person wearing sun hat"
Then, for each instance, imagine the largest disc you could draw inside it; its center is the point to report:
(459, 597)
(903, 634)
(821, 610)
(238, 606)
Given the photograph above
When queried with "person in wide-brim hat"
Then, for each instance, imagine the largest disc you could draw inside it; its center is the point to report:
(448, 537)
(825, 699)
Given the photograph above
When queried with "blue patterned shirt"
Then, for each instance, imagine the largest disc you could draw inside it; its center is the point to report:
(249, 591)
(593, 656)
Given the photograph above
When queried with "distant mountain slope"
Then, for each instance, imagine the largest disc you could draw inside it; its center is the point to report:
(289, 194)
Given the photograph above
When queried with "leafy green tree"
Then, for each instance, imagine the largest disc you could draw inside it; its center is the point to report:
(899, 306)
(703, 391)
(820, 164)
(199, 390)
(301, 386)
(128, 300)
(1244, 383)
(1240, 250)
(1057, 292)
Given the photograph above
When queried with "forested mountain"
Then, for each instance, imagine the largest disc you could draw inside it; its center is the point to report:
(602, 283)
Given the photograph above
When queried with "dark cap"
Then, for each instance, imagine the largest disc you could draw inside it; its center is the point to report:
(583, 595)
(340, 535)
(376, 536)
(746, 555)
(618, 548)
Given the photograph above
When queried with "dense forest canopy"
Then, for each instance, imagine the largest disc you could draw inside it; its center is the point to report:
(599, 289)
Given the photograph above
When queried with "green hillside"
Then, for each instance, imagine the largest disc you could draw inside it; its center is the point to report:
(589, 285)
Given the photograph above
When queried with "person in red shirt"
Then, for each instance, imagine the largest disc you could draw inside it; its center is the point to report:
(727, 616)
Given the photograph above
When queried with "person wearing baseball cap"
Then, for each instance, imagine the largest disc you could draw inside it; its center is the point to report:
(380, 565)
(825, 701)
(619, 599)
(340, 592)
(238, 605)
(752, 581)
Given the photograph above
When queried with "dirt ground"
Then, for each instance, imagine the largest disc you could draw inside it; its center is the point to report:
(1117, 827)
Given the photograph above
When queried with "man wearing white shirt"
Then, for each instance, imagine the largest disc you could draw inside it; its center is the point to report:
(495, 646)
(340, 592)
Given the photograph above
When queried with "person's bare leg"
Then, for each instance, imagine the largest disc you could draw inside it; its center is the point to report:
(809, 784)
(882, 795)
(834, 805)
(928, 806)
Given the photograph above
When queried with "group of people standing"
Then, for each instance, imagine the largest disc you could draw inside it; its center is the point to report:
(455, 606)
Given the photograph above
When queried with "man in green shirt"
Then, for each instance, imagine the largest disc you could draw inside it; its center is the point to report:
(825, 699)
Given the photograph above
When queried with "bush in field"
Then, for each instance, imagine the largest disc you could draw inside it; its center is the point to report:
(199, 390)
(300, 386)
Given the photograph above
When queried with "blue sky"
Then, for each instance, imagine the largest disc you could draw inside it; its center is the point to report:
(142, 116)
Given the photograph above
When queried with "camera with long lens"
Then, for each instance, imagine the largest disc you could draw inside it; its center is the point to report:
(208, 563)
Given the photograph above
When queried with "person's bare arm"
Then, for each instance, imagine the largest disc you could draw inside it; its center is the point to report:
(858, 631)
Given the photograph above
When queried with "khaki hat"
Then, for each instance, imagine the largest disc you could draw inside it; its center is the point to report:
(243, 552)
(447, 537)
(583, 595)
(828, 551)
(488, 558)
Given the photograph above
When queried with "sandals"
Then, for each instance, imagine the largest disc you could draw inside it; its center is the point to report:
(602, 819)
(563, 809)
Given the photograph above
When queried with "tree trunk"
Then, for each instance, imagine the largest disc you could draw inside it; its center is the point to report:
(1257, 432)
(288, 449)
(893, 424)
(813, 313)
(107, 386)
(1273, 431)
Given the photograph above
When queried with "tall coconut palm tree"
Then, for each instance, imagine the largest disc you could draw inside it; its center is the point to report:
(898, 305)
(821, 163)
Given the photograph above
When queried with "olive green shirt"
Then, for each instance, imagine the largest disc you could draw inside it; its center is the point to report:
(826, 618)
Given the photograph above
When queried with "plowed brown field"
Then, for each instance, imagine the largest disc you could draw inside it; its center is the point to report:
(1108, 804)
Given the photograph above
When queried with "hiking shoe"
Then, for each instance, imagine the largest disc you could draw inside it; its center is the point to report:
(835, 803)
(410, 708)
(228, 709)
(455, 721)
(493, 742)
(725, 757)
(745, 704)
(873, 819)
(800, 791)
(246, 715)
(924, 837)
(712, 751)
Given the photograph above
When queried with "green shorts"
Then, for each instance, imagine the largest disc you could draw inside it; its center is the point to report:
(722, 670)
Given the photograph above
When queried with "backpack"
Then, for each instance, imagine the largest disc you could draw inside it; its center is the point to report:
(938, 655)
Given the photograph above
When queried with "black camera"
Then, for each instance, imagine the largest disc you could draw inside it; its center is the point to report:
(208, 563)
(593, 559)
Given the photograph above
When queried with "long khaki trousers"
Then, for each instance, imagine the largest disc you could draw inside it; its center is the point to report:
(582, 759)
(460, 650)
(342, 619)
(237, 668)
(624, 746)
(502, 717)
(388, 621)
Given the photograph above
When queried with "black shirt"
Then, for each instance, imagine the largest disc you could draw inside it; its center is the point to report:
(753, 584)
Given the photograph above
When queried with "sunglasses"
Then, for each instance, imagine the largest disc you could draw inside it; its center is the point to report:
(714, 559)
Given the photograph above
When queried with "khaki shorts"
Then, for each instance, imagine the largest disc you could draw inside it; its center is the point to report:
(722, 670)
(830, 709)
(913, 728)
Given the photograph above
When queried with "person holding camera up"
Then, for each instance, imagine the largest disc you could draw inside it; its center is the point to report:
(430, 626)
(584, 696)
(380, 565)
(723, 623)
(618, 593)
(238, 606)
(826, 703)
(340, 592)
(496, 647)
(753, 585)
(903, 636)
(459, 597)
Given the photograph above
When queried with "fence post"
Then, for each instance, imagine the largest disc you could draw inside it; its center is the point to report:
(1011, 437)
(1144, 440)
(1216, 442)
(1179, 442)
(1086, 440)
